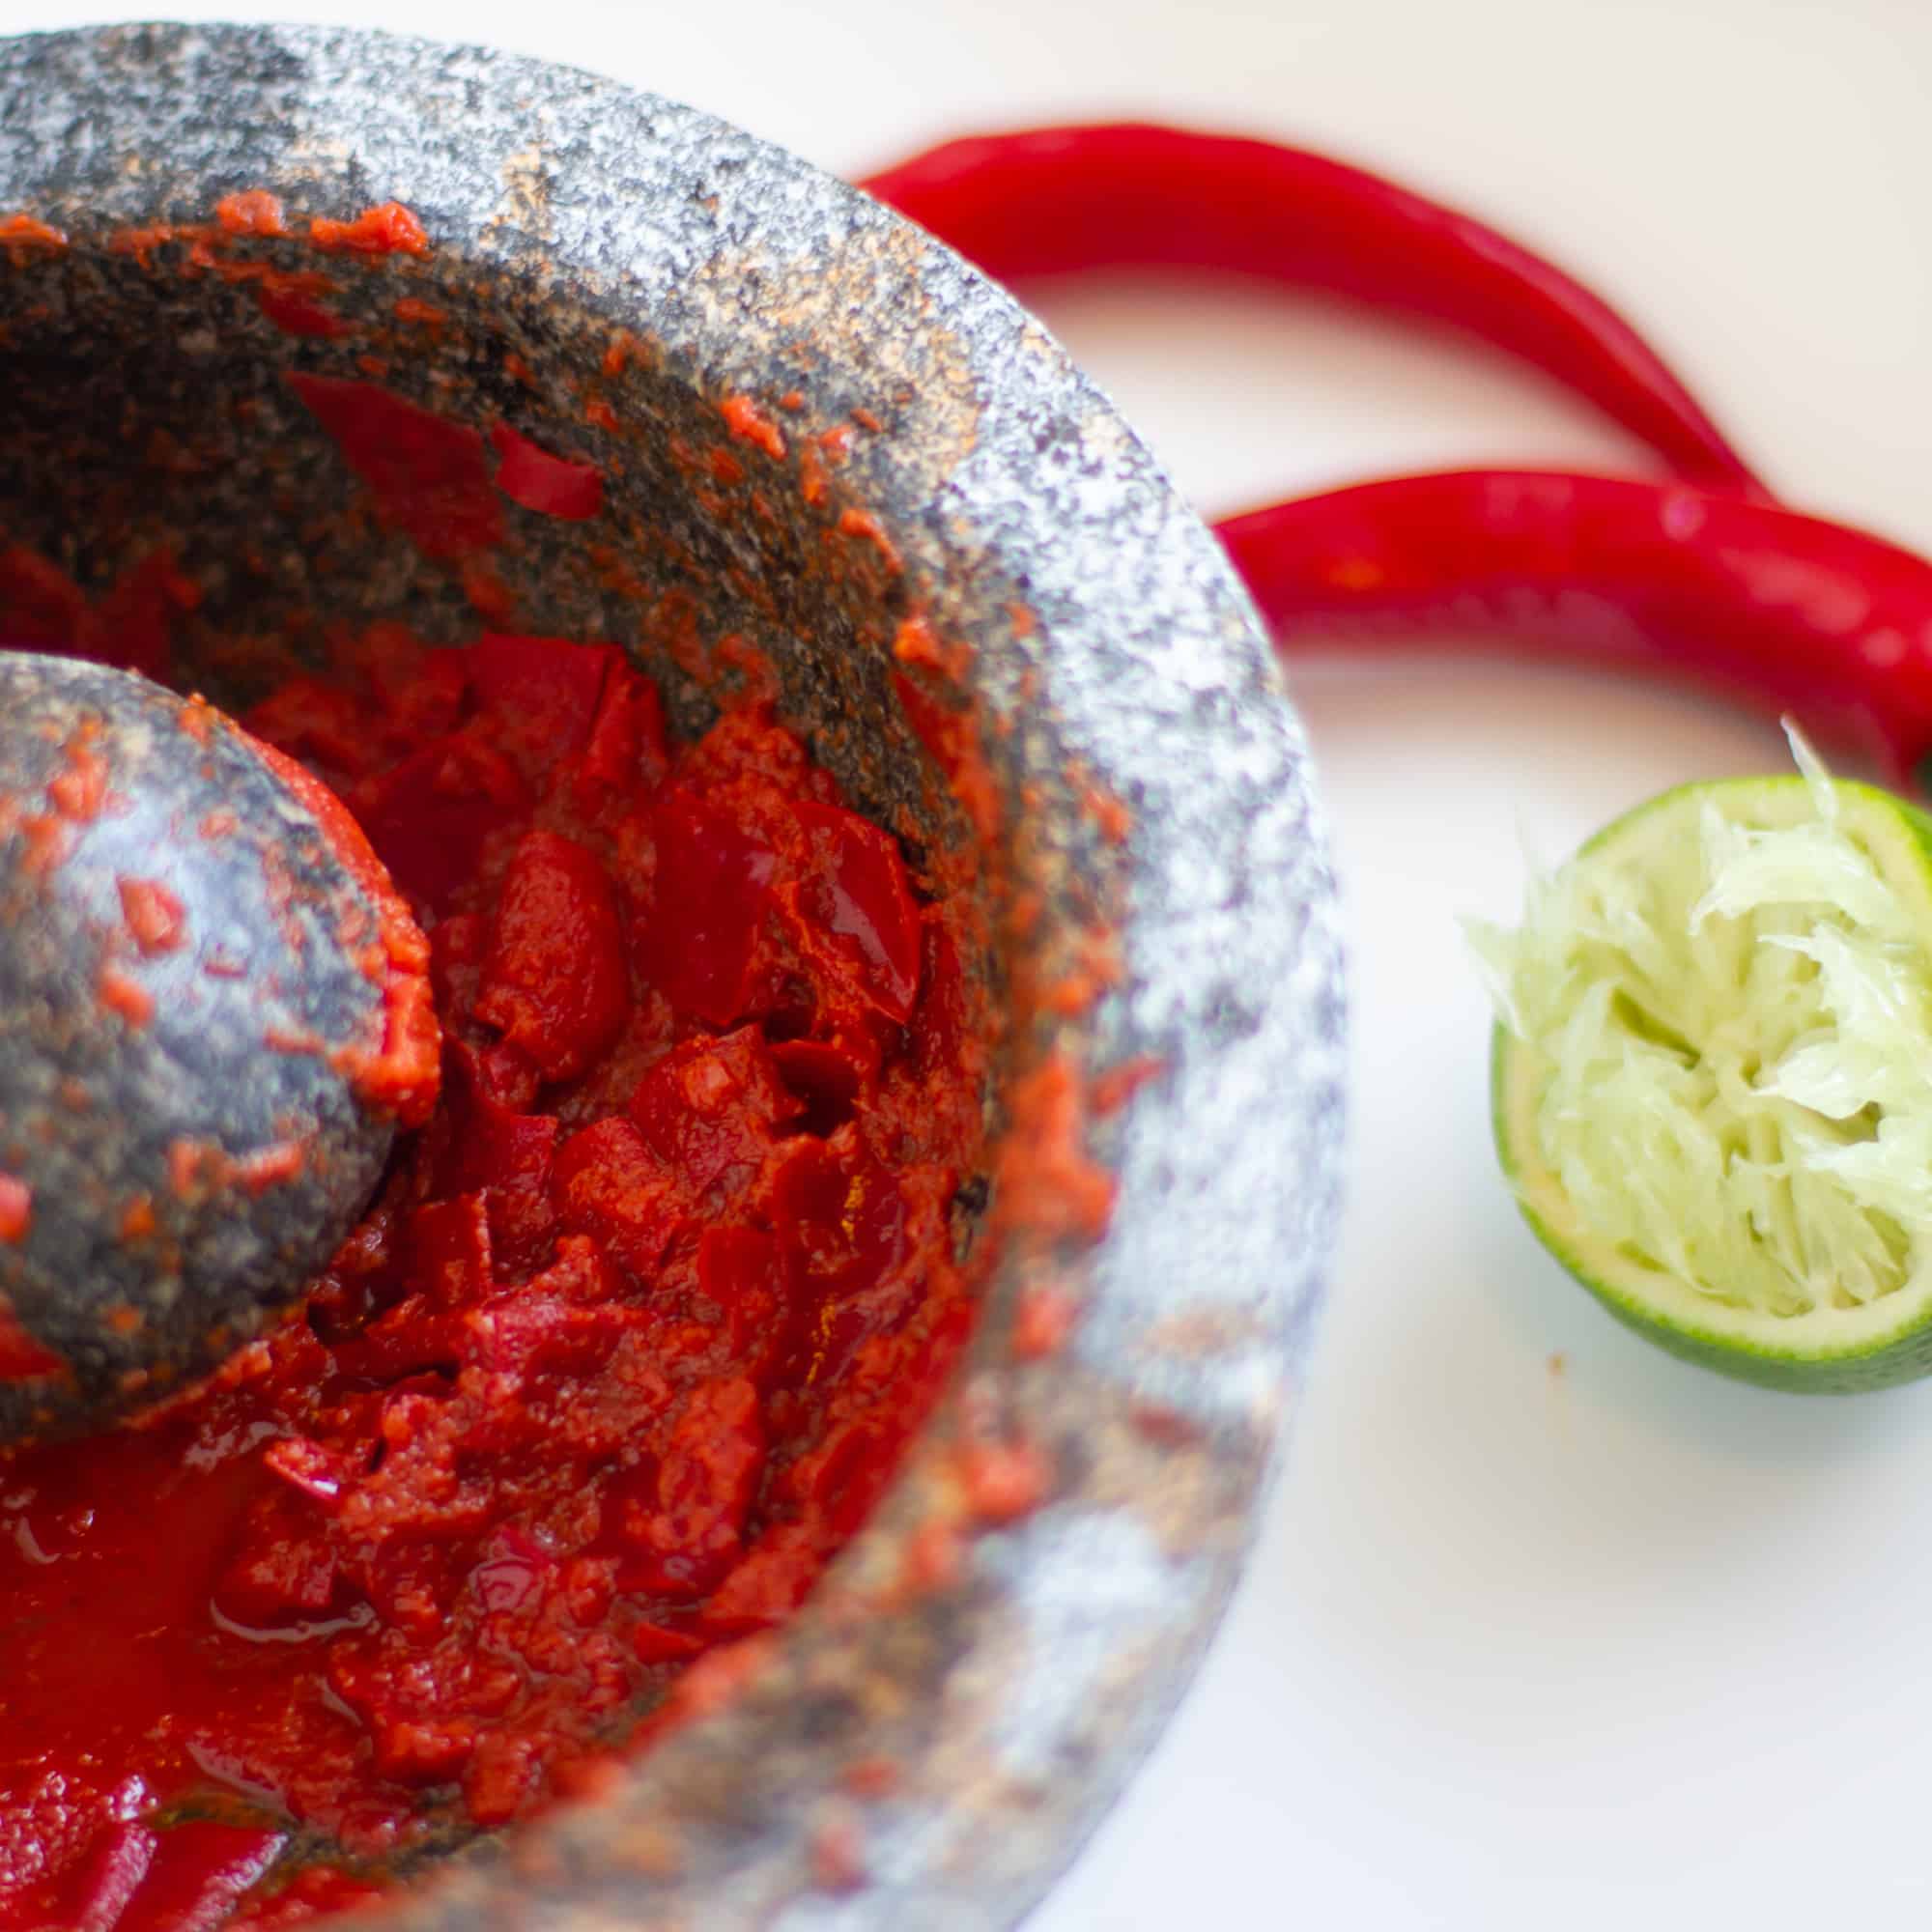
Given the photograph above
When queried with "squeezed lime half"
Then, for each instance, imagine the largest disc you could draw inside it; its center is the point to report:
(1712, 1077)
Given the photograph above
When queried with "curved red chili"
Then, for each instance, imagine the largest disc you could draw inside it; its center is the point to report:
(1786, 611)
(1126, 194)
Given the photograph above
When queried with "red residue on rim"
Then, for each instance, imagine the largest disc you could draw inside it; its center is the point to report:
(917, 643)
(1099, 949)
(1071, 994)
(862, 524)
(23, 237)
(812, 485)
(749, 424)
(1113, 818)
(1004, 1481)
(551, 485)
(388, 229)
(142, 241)
(155, 918)
(1109, 1092)
(934, 1558)
(1049, 1184)
(1099, 806)
(420, 314)
(948, 734)
(254, 210)
(1044, 1320)
(717, 1677)
(626, 351)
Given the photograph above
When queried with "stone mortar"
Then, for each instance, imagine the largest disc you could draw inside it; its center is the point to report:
(1109, 656)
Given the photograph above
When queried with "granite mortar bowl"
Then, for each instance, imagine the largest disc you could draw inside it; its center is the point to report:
(635, 284)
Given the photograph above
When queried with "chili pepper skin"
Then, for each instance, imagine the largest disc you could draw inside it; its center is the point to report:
(1130, 196)
(1786, 613)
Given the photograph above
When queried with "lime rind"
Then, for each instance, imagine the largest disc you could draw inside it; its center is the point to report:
(1712, 1077)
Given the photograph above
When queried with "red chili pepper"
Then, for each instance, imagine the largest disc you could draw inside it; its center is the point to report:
(1787, 612)
(1133, 196)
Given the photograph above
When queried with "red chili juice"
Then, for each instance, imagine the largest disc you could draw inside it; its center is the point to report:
(626, 1350)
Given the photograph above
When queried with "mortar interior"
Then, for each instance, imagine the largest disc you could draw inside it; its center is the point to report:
(149, 416)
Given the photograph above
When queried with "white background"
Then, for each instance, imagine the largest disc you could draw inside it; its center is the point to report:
(1543, 1627)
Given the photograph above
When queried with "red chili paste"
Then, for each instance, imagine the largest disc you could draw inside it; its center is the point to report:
(625, 1352)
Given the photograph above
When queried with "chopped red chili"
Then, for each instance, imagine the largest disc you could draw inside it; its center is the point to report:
(428, 474)
(552, 485)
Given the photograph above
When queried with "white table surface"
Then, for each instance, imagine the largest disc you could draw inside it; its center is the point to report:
(1541, 1625)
